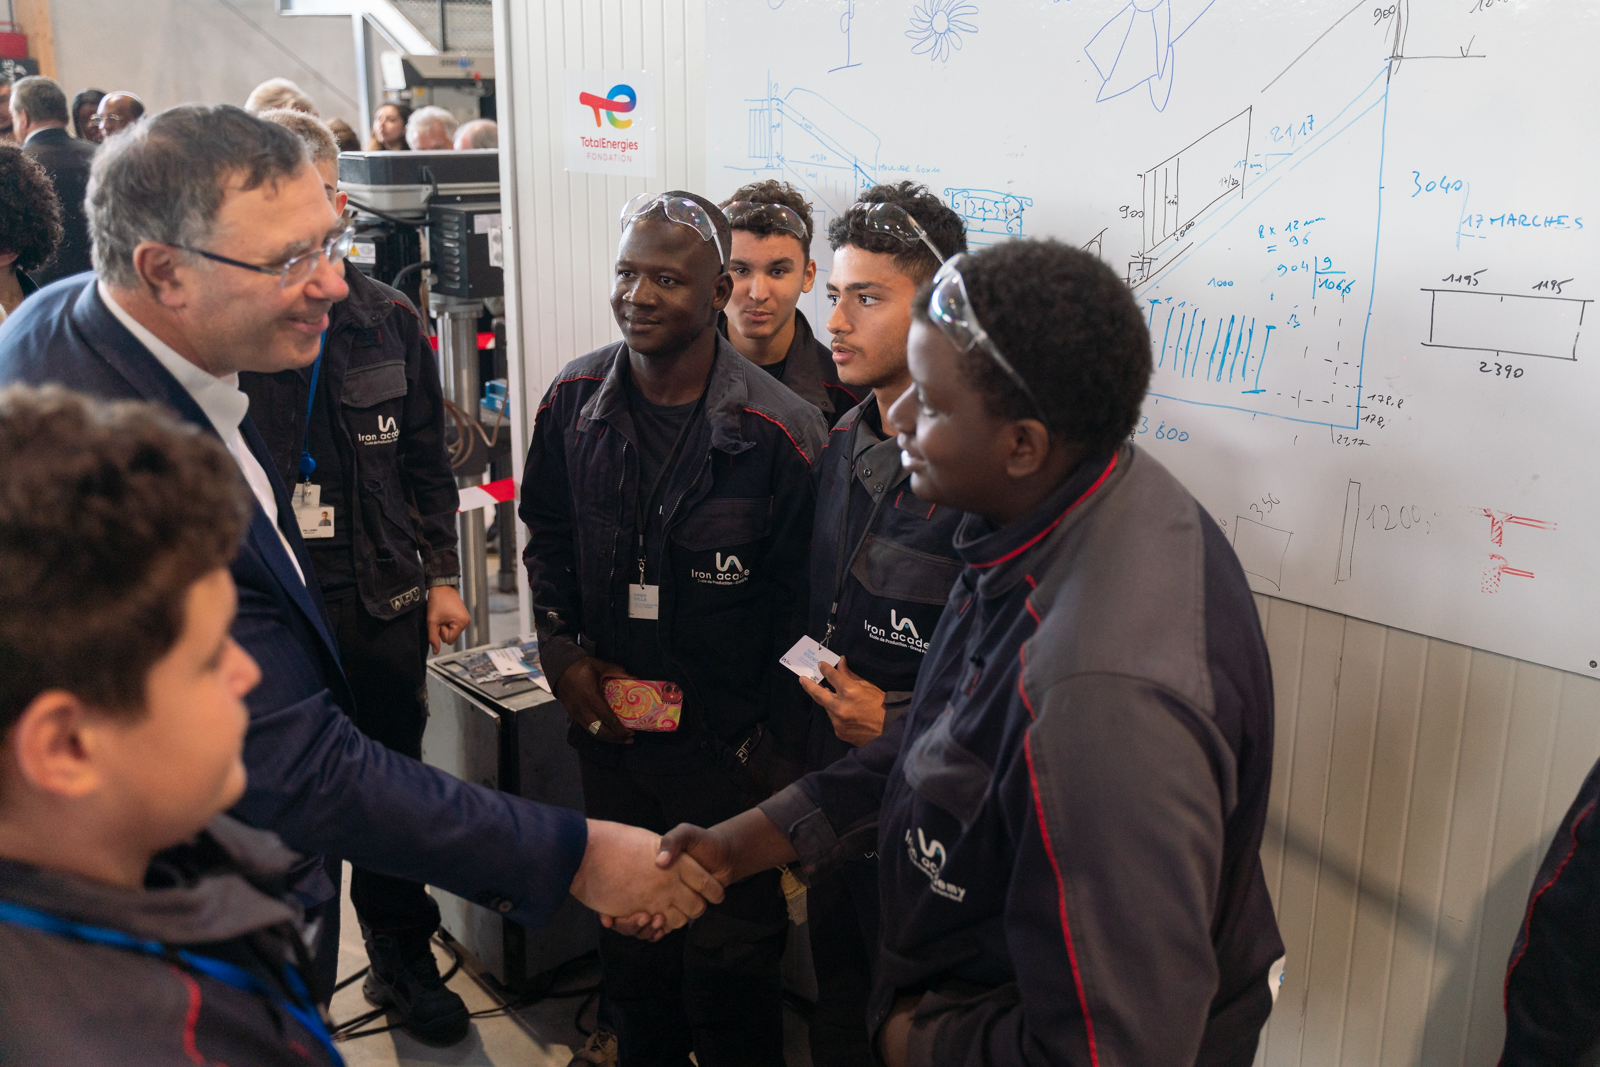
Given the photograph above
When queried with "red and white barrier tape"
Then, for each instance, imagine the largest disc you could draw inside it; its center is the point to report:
(474, 497)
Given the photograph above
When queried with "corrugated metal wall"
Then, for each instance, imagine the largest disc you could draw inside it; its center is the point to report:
(1416, 786)
(1416, 783)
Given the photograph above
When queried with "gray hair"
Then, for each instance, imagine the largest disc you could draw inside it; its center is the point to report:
(278, 92)
(165, 179)
(41, 98)
(479, 133)
(431, 115)
(312, 131)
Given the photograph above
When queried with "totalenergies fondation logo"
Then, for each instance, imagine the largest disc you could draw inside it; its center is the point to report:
(619, 100)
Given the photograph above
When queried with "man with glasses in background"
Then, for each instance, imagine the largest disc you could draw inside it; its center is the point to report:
(216, 251)
(668, 498)
(359, 438)
(772, 268)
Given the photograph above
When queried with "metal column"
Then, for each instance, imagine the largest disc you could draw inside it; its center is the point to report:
(458, 368)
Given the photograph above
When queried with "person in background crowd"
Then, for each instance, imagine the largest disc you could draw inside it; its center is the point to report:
(1069, 826)
(390, 588)
(276, 93)
(83, 108)
(30, 224)
(772, 268)
(882, 564)
(431, 129)
(5, 108)
(479, 133)
(39, 115)
(344, 136)
(389, 129)
(117, 111)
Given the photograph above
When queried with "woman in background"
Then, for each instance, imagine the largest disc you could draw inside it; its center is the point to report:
(30, 224)
(84, 105)
(389, 129)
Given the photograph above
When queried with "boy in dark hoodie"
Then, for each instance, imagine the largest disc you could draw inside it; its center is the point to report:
(137, 923)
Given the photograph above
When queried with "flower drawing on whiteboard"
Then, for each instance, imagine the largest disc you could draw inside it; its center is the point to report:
(937, 26)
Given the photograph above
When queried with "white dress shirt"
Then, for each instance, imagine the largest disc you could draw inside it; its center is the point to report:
(224, 403)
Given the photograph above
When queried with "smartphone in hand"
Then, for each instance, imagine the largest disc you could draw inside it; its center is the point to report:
(652, 707)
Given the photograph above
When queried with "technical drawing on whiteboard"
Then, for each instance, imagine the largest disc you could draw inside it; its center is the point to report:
(987, 211)
(1135, 47)
(1261, 549)
(1506, 324)
(846, 22)
(814, 145)
(1347, 532)
(937, 26)
(1499, 567)
(1170, 201)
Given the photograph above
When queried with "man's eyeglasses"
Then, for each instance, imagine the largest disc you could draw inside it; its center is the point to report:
(679, 209)
(296, 269)
(744, 212)
(894, 221)
(951, 311)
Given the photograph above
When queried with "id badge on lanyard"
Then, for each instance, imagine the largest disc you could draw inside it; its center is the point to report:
(316, 521)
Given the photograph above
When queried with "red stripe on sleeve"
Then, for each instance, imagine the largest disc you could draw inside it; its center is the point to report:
(1061, 895)
(1527, 922)
(786, 433)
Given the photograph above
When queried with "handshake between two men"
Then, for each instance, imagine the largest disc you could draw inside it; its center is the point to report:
(646, 885)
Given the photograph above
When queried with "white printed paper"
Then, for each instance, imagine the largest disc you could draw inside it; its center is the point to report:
(508, 661)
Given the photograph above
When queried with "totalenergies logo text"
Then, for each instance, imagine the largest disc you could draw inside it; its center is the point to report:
(620, 99)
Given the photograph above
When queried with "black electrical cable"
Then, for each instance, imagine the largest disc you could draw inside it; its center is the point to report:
(415, 224)
(404, 272)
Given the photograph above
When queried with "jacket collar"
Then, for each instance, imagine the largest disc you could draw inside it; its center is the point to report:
(223, 884)
(801, 375)
(727, 393)
(1004, 555)
(874, 455)
(367, 305)
(48, 135)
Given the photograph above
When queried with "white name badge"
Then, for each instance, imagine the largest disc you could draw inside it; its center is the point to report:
(644, 601)
(315, 520)
(804, 657)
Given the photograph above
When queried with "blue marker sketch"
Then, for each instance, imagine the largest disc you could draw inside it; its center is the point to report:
(937, 26)
(1135, 47)
(987, 211)
(813, 145)
(845, 21)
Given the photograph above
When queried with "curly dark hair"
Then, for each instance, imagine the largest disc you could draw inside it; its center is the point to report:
(773, 191)
(30, 211)
(944, 227)
(1072, 330)
(108, 514)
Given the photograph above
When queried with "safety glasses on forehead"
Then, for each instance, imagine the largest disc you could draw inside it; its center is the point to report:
(896, 222)
(742, 213)
(679, 209)
(951, 311)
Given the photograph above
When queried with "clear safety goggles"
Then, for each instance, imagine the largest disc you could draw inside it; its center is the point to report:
(951, 311)
(743, 212)
(679, 209)
(896, 222)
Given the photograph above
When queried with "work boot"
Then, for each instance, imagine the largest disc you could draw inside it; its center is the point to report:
(599, 1051)
(405, 979)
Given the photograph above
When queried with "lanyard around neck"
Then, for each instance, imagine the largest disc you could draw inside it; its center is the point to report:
(643, 505)
(229, 974)
(307, 464)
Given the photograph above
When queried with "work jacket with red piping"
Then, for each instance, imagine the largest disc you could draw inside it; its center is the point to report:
(1552, 990)
(737, 505)
(1069, 821)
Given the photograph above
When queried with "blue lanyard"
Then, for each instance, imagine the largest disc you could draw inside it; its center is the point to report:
(227, 973)
(307, 464)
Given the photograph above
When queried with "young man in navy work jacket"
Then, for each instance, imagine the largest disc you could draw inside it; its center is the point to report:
(669, 500)
(1070, 828)
(376, 502)
(881, 566)
(772, 268)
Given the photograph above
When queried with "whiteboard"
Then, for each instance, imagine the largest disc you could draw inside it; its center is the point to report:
(1364, 238)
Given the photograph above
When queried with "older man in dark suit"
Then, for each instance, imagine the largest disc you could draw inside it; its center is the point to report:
(215, 251)
(39, 116)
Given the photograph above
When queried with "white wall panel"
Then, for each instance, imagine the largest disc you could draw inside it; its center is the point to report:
(1416, 783)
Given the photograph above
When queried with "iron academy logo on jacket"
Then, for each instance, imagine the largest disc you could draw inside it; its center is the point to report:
(388, 432)
(729, 572)
(902, 633)
(929, 857)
